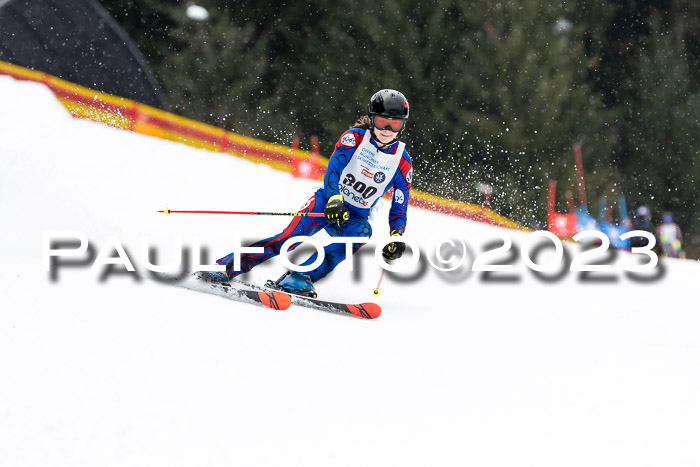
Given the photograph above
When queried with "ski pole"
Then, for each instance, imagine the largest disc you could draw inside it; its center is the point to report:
(375, 292)
(249, 213)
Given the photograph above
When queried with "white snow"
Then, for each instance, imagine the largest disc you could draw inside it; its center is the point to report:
(100, 368)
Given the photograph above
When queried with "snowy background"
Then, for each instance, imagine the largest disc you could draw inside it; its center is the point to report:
(101, 367)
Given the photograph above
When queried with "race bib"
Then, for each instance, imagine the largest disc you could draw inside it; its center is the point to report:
(369, 172)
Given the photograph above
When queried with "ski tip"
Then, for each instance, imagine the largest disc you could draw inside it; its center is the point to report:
(366, 310)
(275, 300)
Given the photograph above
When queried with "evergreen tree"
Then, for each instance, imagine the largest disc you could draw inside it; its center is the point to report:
(517, 101)
(499, 91)
(213, 74)
(661, 134)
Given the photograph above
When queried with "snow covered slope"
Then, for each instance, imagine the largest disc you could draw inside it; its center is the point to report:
(103, 367)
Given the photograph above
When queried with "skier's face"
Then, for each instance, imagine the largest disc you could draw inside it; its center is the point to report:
(384, 123)
(384, 136)
(386, 129)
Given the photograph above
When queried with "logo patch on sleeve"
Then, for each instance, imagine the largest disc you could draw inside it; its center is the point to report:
(348, 139)
(398, 196)
(409, 176)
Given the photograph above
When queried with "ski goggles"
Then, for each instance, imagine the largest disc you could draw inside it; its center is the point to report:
(383, 123)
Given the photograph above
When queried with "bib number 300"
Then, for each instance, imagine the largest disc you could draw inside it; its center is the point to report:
(359, 186)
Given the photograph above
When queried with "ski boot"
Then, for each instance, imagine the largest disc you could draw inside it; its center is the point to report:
(213, 277)
(295, 283)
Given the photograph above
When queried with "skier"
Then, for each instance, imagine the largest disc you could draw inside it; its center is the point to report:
(641, 220)
(669, 235)
(368, 161)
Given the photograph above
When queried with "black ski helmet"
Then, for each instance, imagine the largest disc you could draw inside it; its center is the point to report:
(390, 104)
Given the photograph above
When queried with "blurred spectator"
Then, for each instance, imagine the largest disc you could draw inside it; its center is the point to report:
(641, 220)
(669, 236)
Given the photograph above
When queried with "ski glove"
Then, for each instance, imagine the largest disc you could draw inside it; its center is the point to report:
(394, 250)
(335, 210)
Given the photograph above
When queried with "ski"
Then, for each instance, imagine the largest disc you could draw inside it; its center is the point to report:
(361, 310)
(239, 291)
(269, 297)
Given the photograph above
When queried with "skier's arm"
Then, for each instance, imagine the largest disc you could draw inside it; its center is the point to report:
(344, 149)
(402, 191)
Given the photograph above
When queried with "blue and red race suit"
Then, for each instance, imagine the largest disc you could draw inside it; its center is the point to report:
(360, 172)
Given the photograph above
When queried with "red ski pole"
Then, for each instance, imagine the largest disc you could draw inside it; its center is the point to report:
(375, 292)
(249, 213)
